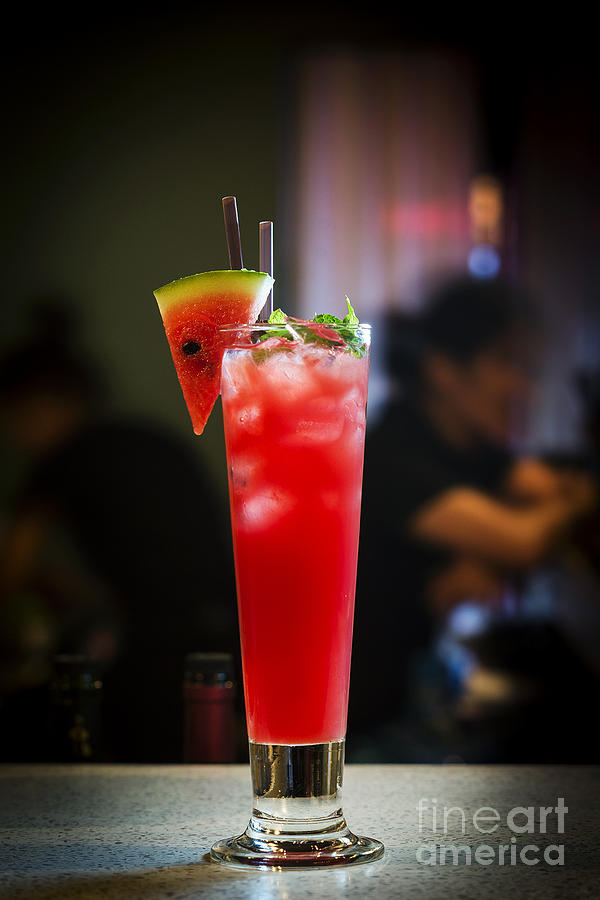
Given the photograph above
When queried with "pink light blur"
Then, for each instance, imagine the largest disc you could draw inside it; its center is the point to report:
(386, 153)
(426, 220)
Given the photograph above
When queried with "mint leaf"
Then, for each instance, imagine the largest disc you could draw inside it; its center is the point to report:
(281, 333)
(350, 318)
(327, 319)
(277, 317)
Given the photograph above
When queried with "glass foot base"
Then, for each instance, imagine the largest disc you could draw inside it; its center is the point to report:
(300, 853)
(297, 820)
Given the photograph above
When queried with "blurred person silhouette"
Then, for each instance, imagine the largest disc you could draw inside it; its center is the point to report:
(142, 575)
(451, 514)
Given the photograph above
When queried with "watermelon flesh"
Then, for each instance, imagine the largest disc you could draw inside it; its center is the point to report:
(192, 310)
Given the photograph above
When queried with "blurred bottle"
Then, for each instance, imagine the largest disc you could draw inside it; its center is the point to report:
(75, 710)
(209, 714)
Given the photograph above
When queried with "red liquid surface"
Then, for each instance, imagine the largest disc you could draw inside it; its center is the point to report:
(294, 431)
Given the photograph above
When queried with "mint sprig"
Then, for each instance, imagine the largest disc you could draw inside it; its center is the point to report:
(345, 328)
(349, 319)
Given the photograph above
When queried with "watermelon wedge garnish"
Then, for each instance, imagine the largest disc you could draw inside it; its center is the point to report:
(192, 310)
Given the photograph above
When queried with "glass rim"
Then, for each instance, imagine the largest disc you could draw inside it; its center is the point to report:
(277, 326)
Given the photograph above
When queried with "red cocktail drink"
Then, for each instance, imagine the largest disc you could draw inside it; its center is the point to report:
(294, 412)
(294, 429)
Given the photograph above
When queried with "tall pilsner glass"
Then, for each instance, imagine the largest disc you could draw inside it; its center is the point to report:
(294, 416)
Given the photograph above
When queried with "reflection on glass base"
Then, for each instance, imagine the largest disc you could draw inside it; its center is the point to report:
(300, 852)
(297, 820)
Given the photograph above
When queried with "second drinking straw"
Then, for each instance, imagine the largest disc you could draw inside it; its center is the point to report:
(265, 242)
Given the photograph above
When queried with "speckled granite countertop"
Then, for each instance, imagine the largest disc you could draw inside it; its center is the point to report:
(90, 832)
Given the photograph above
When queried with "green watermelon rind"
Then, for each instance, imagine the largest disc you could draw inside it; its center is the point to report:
(193, 287)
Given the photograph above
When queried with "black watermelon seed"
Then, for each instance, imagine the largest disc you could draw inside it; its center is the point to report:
(191, 347)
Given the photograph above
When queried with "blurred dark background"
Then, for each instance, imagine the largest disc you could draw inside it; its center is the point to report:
(392, 149)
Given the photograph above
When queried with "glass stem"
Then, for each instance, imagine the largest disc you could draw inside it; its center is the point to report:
(297, 788)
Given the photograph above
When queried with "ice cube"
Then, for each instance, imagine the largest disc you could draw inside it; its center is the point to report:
(322, 408)
(354, 435)
(265, 507)
(295, 377)
(311, 432)
(322, 421)
(355, 396)
(355, 405)
(250, 418)
(236, 374)
(243, 471)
